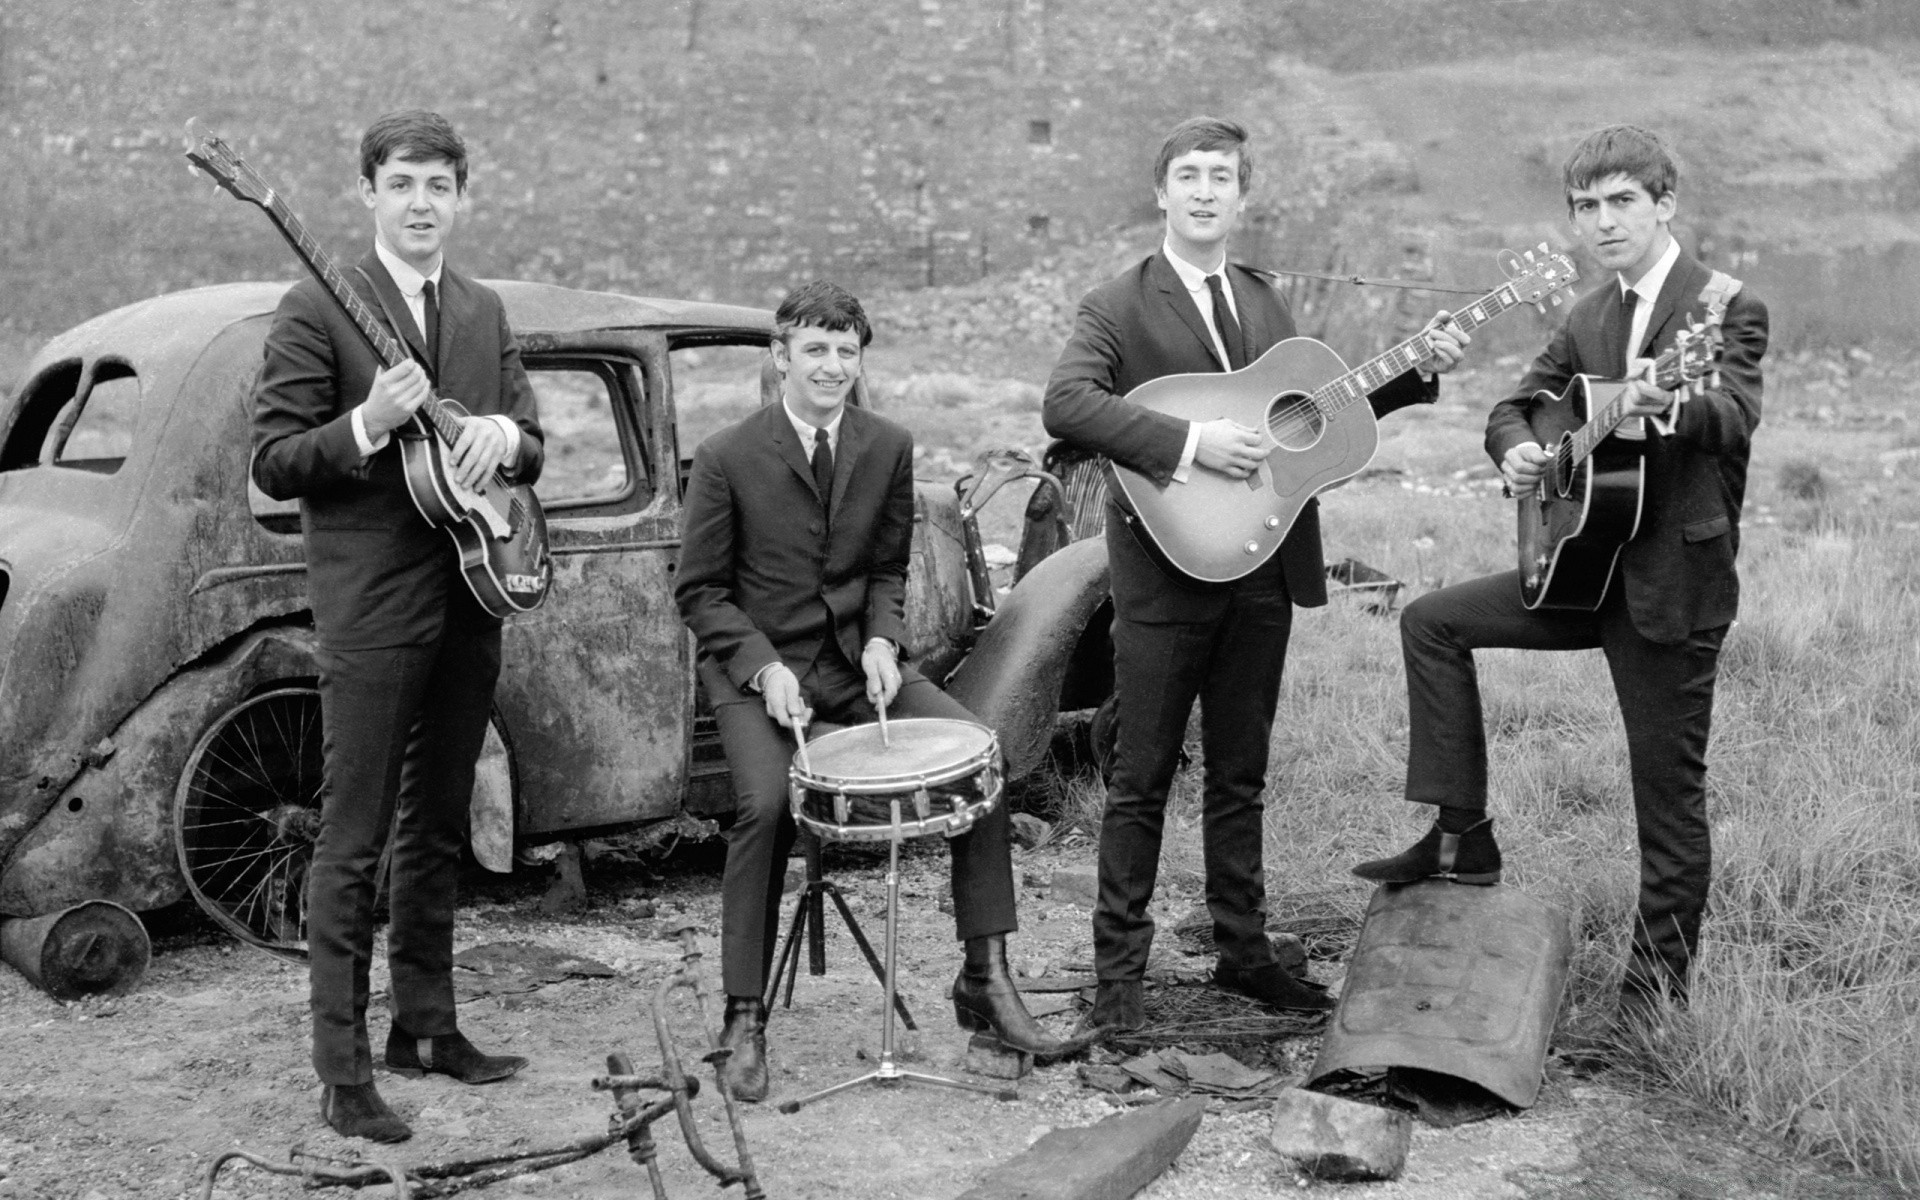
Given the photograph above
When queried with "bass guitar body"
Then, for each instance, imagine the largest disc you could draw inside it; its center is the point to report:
(1216, 529)
(499, 530)
(1574, 523)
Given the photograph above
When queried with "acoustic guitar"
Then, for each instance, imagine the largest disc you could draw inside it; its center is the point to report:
(499, 528)
(1313, 411)
(1587, 505)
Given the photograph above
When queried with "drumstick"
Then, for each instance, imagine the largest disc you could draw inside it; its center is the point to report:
(800, 736)
(880, 704)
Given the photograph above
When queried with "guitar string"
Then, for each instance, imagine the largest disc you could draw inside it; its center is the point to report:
(1337, 394)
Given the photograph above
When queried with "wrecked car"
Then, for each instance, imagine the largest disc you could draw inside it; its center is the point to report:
(159, 723)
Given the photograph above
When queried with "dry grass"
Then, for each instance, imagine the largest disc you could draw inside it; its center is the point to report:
(1806, 1014)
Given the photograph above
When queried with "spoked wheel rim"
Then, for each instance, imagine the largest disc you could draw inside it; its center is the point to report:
(246, 816)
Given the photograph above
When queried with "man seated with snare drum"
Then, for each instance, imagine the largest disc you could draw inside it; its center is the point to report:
(1672, 594)
(793, 572)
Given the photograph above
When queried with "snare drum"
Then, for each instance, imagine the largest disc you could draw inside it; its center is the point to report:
(944, 773)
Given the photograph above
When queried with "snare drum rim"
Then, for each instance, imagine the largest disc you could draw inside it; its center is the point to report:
(815, 781)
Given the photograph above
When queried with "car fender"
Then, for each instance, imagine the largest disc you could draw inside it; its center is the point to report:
(109, 835)
(1012, 680)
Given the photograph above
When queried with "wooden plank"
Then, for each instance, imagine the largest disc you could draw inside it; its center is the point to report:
(1110, 1160)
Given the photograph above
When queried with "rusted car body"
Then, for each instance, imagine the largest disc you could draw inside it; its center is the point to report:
(154, 623)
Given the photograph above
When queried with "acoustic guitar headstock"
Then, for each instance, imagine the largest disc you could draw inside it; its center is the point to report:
(1540, 276)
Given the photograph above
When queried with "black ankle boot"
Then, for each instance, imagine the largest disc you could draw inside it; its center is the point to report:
(1469, 857)
(449, 1054)
(1273, 985)
(985, 1000)
(745, 1033)
(356, 1110)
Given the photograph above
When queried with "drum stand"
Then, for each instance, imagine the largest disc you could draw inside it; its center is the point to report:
(888, 1073)
(810, 919)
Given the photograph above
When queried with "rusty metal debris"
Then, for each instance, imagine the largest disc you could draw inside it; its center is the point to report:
(631, 1123)
(1455, 989)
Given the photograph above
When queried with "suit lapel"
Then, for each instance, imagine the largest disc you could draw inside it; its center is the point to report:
(1680, 282)
(853, 440)
(1175, 293)
(1253, 301)
(786, 444)
(456, 312)
(395, 304)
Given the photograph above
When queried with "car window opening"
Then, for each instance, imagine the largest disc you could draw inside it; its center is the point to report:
(75, 415)
(595, 458)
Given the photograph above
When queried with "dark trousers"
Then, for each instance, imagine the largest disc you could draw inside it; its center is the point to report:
(1666, 701)
(403, 727)
(1232, 665)
(759, 753)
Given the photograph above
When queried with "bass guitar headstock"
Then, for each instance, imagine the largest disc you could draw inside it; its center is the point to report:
(1539, 277)
(215, 159)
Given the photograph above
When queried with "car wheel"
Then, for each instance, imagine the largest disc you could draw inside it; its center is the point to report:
(246, 815)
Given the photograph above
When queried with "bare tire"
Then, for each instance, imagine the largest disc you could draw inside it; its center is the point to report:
(246, 816)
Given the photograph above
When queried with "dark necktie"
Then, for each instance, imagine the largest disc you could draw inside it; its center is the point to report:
(1629, 302)
(1228, 327)
(433, 322)
(822, 465)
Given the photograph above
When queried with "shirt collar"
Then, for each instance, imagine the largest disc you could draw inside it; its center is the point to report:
(1192, 276)
(1656, 277)
(804, 430)
(405, 277)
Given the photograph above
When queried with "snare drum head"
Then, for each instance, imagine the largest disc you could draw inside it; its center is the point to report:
(919, 750)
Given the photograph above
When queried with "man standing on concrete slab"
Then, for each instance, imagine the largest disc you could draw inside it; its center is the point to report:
(1671, 596)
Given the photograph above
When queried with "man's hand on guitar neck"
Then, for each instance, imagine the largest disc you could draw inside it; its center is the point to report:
(1446, 341)
(397, 393)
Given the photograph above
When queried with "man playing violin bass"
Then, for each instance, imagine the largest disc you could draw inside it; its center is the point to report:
(407, 657)
(1672, 594)
(792, 576)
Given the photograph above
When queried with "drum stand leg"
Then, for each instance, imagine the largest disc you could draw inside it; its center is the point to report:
(809, 918)
(888, 1073)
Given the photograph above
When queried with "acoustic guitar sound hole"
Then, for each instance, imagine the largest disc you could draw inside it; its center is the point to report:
(1294, 421)
(1565, 475)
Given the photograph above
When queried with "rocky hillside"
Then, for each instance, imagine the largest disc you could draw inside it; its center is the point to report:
(996, 149)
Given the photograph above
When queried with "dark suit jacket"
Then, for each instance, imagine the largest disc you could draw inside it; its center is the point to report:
(1137, 327)
(377, 573)
(1678, 569)
(765, 574)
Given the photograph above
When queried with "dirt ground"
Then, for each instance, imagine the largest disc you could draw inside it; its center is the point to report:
(133, 1096)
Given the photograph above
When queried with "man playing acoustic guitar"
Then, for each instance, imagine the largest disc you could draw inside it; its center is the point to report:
(407, 657)
(1183, 310)
(1661, 617)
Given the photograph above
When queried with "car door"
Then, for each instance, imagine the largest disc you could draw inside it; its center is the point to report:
(597, 685)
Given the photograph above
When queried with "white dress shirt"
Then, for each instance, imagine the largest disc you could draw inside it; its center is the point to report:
(804, 431)
(1195, 281)
(412, 285)
(1645, 292)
